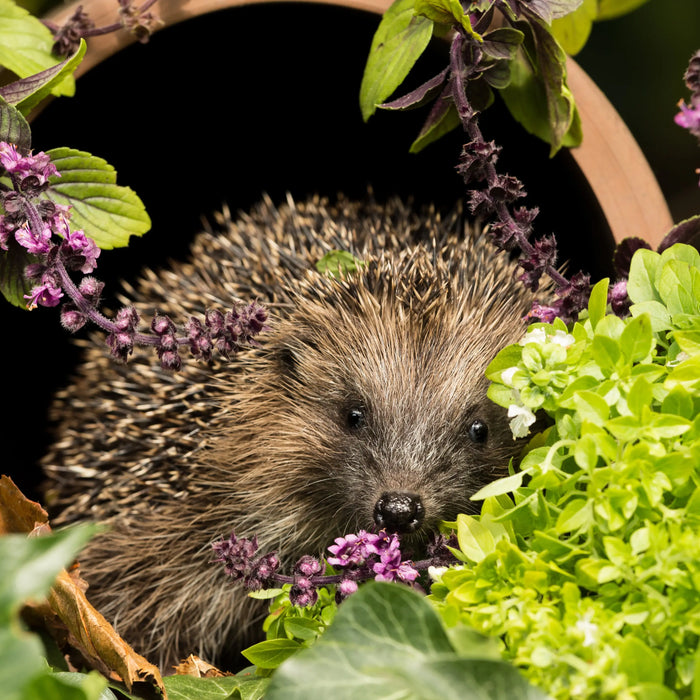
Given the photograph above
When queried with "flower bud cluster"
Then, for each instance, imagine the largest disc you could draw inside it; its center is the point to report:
(689, 116)
(357, 557)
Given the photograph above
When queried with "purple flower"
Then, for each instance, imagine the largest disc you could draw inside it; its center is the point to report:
(167, 348)
(80, 252)
(48, 293)
(308, 566)
(38, 167)
(689, 117)
(261, 572)
(67, 37)
(236, 554)
(546, 314)
(353, 550)
(390, 567)
(71, 318)
(542, 257)
(619, 301)
(36, 242)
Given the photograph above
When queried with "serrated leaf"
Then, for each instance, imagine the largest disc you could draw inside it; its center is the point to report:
(388, 642)
(27, 92)
(26, 45)
(14, 128)
(109, 213)
(398, 42)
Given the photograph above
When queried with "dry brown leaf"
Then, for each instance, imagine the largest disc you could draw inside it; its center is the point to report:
(17, 512)
(194, 666)
(88, 630)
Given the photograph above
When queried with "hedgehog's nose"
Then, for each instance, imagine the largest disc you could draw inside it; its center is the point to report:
(399, 511)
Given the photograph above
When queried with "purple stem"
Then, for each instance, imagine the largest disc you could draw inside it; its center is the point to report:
(460, 73)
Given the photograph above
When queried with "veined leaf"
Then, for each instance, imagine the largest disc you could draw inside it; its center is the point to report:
(398, 42)
(108, 213)
(14, 127)
(25, 45)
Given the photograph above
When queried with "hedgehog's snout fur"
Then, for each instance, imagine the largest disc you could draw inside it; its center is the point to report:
(365, 407)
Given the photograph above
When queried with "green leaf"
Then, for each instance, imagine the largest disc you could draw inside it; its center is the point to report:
(338, 264)
(14, 128)
(609, 9)
(190, 688)
(506, 484)
(302, 627)
(68, 686)
(26, 44)
(641, 284)
(639, 662)
(447, 120)
(640, 396)
(388, 642)
(572, 30)
(271, 653)
(29, 566)
(107, 212)
(575, 516)
(591, 407)
(13, 284)
(26, 93)
(475, 539)
(447, 12)
(606, 353)
(637, 340)
(658, 314)
(677, 285)
(598, 302)
(20, 661)
(398, 42)
(539, 98)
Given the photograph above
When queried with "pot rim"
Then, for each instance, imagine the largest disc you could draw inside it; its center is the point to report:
(609, 157)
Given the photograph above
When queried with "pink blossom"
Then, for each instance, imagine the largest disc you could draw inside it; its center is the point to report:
(35, 242)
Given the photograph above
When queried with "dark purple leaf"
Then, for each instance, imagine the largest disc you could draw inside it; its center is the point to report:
(14, 127)
(687, 231)
(421, 95)
(623, 255)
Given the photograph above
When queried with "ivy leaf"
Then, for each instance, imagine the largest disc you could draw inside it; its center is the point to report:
(26, 93)
(108, 213)
(14, 128)
(189, 688)
(388, 642)
(398, 42)
(26, 45)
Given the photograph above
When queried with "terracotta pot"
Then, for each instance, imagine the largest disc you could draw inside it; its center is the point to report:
(609, 158)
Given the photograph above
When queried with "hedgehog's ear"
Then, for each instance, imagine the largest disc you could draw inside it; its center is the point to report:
(287, 354)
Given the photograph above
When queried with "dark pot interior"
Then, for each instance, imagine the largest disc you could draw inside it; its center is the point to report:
(256, 99)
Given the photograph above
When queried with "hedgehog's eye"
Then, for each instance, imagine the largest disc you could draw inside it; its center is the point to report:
(355, 418)
(478, 431)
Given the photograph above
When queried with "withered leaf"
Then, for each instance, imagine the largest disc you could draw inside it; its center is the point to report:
(194, 666)
(88, 630)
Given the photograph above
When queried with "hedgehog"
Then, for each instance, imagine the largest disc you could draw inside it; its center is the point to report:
(365, 406)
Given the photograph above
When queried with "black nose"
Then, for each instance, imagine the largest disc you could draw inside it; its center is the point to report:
(399, 512)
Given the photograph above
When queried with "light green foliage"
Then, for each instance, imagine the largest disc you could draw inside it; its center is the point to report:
(589, 572)
(388, 642)
(290, 628)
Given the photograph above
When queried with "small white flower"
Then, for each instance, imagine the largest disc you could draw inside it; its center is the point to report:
(436, 572)
(507, 375)
(535, 335)
(540, 336)
(521, 420)
(589, 629)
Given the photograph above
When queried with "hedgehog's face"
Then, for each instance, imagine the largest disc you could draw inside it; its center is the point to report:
(390, 423)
